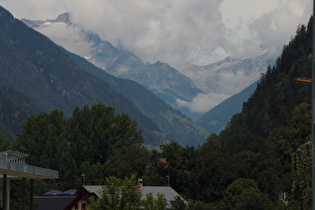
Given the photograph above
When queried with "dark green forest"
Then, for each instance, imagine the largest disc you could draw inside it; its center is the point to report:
(263, 153)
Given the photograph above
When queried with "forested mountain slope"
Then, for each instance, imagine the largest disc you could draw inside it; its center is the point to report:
(266, 145)
(215, 120)
(169, 120)
(15, 107)
(278, 92)
(35, 66)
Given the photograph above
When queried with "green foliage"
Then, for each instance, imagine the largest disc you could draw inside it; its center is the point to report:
(118, 194)
(110, 139)
(179, 203)
(154, 204)
(278, 110)
(278, 93)
(92, 174)
(124, 194)
(42, 138)
(97, 130)
(169, 165)
(93, 141)
(285, 140)
(245, 194)
(302, 175)
(199, 205)
(5, 144)
(169, 121)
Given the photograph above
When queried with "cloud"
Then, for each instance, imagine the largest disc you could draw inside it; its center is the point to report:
(259, 25)
(65, 36)
(177, 31)
(225, 84)
(197, 31)
(169, 31)
(203, 102)
(34, 9)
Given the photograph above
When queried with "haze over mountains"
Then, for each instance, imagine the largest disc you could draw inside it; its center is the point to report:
(160, 78)
(52, 78)
(191, 89)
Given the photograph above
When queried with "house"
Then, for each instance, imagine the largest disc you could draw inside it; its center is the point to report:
(81, 201)
(13, 166)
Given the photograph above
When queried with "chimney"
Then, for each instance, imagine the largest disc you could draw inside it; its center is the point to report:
(140, 183)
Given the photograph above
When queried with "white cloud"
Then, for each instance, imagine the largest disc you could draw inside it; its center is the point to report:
(225, 83)
(66, 35)
(258, 25)
(177, 31)
(203, 102)
(198, 31)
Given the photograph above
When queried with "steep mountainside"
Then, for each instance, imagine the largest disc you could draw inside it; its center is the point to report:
(15, 107)
(35, 66)
(160, 78)
(215, 120)
(54, 78)
(170, 121)
(278, 92)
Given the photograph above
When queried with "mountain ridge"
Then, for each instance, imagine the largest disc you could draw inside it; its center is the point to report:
(124, 64)
(38, 68)
(181, 87)
(57, 81)
(169, 120)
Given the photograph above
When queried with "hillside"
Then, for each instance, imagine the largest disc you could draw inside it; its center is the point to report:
(160, 78)
(15, 107)
(35, 66)
(278, 92)
(54, 78)
(215, 120)
(169, 120)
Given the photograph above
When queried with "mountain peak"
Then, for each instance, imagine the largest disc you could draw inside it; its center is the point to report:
(64, 17)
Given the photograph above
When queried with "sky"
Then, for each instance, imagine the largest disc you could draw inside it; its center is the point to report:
(179, 31)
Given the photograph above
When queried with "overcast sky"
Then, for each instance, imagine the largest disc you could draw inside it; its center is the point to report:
(175, 31)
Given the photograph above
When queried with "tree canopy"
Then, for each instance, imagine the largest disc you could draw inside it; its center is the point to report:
(94, 141)
(120, 194)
